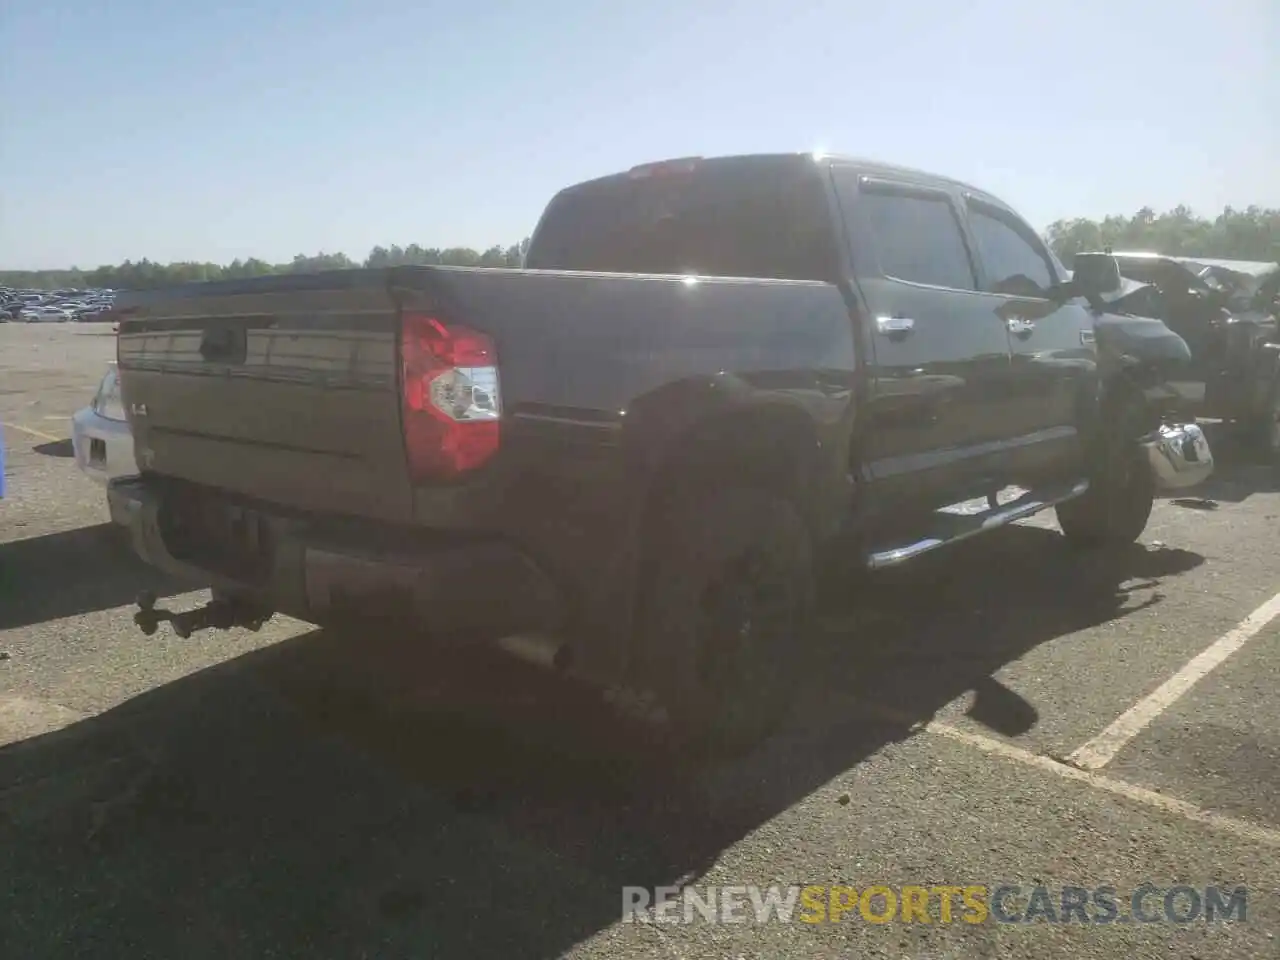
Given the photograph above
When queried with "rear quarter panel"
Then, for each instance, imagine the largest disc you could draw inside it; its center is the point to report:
(624, 365)
(598, 342)
(605, 375)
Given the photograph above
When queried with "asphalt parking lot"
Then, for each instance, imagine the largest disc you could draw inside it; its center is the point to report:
(1006, 712)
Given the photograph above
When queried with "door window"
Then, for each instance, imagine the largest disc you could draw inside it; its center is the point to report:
(917, 237)
(1014, 265)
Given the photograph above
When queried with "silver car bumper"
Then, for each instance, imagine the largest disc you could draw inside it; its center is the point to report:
(1179, 455)
(103, 447)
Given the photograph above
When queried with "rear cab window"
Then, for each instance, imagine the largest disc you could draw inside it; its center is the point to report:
(761, 217)
(911, 231)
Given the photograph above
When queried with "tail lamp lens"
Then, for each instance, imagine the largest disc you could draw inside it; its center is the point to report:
(452, 404)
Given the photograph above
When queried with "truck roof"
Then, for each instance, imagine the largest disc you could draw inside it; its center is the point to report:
(871, 166)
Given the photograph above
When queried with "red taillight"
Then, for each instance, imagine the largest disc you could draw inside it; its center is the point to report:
(451, 400)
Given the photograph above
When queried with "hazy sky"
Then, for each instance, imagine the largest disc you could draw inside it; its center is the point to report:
(210, 131)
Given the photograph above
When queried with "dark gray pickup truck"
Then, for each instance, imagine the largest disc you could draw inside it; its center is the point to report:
(713, 379)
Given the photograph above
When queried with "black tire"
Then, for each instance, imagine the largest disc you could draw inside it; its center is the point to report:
(728, 605)
(1122, 490)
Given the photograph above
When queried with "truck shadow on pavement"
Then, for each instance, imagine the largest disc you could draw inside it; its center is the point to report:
(1231, 484)
(63, 449)
(77, 571)
(335, 796)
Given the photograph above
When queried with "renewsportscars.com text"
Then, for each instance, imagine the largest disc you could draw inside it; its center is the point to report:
(942, 904)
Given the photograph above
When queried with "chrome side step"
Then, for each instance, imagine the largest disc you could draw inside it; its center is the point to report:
(957, 527)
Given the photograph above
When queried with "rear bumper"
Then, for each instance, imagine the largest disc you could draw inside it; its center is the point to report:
(482, 589)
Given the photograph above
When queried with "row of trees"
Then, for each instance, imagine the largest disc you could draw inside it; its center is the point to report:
(1250, 234)
(143, 274)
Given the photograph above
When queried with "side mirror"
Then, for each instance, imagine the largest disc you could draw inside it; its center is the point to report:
(1095, 274)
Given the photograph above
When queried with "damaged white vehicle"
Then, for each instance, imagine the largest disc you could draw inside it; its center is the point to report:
(100, 434)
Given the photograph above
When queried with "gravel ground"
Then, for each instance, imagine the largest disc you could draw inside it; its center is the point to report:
(295, 793)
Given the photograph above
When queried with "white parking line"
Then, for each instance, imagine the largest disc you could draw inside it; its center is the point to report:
(38, 434)
(1240, 828)
(1245, 830)
(1099, 751)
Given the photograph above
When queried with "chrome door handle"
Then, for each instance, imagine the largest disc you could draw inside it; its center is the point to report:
(895, 326)
(1021, 328)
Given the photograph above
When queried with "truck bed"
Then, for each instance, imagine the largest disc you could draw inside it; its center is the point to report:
(287, 388)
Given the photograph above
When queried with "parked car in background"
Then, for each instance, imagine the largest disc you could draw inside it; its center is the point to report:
(1227, 312)
(58, 306)
(100, 434)
(44, 314)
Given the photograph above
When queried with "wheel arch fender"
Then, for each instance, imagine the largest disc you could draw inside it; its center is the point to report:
(771, 444)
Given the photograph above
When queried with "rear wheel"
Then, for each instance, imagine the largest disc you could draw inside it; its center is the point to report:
(1117, 506)
(728, 608)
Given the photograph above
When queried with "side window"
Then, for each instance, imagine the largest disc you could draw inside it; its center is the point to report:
(1014, 264)
(917, 237)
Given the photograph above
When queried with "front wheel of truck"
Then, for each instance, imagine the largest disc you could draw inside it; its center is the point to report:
(1122, 488)
(728, 606)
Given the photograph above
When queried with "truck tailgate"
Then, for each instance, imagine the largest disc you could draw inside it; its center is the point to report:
(283, 388)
